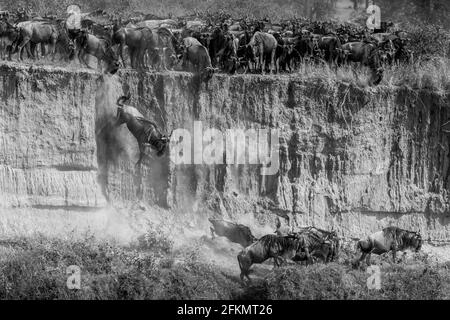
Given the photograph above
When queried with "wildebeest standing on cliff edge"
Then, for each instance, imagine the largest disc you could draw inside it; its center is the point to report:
(264, 46)
(368, 54)
(389, 239)
(99, 48)
(236, 233)
(196, 54)
(145, 131)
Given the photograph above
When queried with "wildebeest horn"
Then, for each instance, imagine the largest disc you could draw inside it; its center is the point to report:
(122, 99)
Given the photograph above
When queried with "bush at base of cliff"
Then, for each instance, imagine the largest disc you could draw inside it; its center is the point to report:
(334, 281)
(36, 269)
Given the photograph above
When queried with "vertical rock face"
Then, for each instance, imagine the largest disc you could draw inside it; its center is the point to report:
(48, 154)
(351, 159)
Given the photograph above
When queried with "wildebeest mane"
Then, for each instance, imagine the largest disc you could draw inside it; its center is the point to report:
(285, 242)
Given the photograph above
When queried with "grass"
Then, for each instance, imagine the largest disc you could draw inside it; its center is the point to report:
(151, 269)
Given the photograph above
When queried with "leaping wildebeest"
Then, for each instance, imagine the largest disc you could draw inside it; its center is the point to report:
(389, 239)
(145, 131)
(269, 246)
(237, 233)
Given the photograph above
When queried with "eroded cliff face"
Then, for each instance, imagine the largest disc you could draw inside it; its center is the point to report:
(350, 158)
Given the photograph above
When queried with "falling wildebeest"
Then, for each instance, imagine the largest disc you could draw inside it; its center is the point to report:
(236, 233)
(145, 131)
(389, 239)
(269, 246)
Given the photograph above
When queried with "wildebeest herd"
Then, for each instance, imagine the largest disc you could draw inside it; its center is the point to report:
(309, 244)
(205, 44)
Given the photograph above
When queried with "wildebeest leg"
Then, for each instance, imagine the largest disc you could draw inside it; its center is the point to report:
(274, 64)
(53, 48)
(133, 54)
(276, 263)
(82, 58)
(212, 232)
(361, 258)
(163, 59)
(368, 259)
(121, 49)
(394, 255)
(20, 47)
(141, 154)
(261, 58)
(308, 256)
(100, 65)
(43, 52)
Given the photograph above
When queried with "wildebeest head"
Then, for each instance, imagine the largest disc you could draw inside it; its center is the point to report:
(122, 116)
(375, 66)
(161, 144)
(416, 241)
(112, 61)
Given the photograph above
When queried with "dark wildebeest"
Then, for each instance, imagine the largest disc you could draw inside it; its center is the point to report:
(138, 40)
(269, 246)
(389, 239)
(264, 46)
(145, 131)
(236, 233)
(331, 46)
(8, 36)
(367, 54)
(196, 54)
(244, 52)
(99, 48)
(314, 242)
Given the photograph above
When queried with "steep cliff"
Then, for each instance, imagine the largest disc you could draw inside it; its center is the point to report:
(351, 158)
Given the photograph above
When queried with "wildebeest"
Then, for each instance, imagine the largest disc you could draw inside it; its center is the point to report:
(264, 46)
(331, 46)
(269, 246)
(235, 232)
(138, 40)
(100, 48)
(8, 35)
(168, 48)
(196, 54)
(145, 131)
(36, 32)
(389, 239)
(314, 242)
(368, 55)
